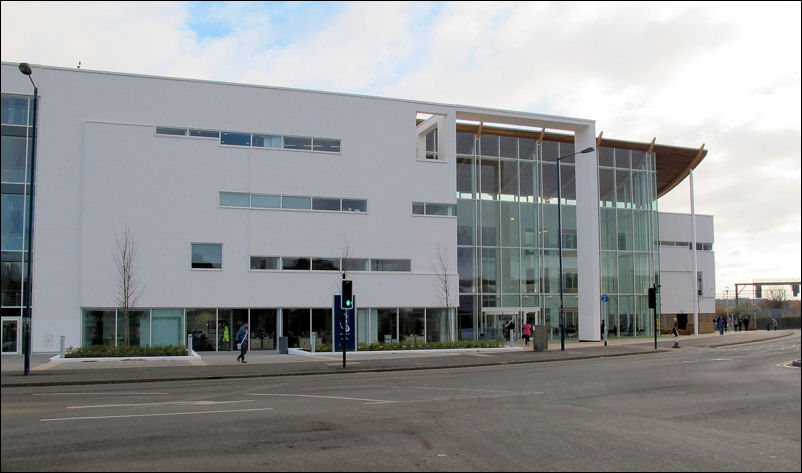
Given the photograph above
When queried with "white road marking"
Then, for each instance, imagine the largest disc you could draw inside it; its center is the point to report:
(155, 415)
(191, 403)
(368, 401)
(98, 394)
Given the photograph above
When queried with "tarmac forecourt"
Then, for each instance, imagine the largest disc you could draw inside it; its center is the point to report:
(218, 365)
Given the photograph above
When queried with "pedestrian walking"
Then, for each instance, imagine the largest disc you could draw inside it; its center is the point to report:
(774, 323)
(721, 325)
(746, 323)
(527, 333)
(242, 342)
(738, 323)
(675, 329)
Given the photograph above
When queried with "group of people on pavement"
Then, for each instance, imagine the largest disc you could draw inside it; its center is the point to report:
(721, 323)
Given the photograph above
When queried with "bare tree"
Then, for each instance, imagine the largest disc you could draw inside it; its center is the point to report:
(775, 298)
(441, 268)
(129, 288)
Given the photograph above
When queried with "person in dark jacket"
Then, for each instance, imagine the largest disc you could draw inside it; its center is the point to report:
(241, 340)
(676, 333)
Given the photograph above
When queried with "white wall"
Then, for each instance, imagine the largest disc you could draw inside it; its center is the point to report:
(676, 264)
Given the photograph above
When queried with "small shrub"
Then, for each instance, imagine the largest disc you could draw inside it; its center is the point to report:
(100, 351)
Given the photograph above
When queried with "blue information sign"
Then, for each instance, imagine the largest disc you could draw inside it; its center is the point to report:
(605, 298)
(350, 326)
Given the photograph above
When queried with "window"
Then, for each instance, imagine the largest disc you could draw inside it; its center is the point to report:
(431, 144)
(235, 139)
(390, 265)
(296, 202)
(298, 142)
(264, 201)
(205, 133)
(356, 264)
(266, 141)
(354, 205)
(161, 130)
(14, 110)
(466, 143)
(326, 264)
(295, 263)
(432, 208)
(265, 262)
(326, 145)
(234, 199)
(207, 255)
(441, 209)
(323, 203)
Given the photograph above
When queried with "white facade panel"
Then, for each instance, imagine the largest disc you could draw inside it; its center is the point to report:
(676, 265)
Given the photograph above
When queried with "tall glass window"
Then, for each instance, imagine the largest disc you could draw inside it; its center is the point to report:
(263, 329)
(167, 327)
(202, 325)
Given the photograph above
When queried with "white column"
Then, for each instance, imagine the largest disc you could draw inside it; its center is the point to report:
(695, 298)
(587, 234)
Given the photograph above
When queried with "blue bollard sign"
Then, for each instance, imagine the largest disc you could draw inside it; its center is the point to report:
(350, 325)
(605, 298)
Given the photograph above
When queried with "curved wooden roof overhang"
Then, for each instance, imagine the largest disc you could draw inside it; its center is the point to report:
(674, 163)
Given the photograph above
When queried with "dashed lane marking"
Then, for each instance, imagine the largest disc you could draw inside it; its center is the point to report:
(98, 394)
(366, 401)
(190, 403)
(156, 415)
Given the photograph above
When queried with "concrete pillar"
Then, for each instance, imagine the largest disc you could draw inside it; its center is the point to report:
(587, 234)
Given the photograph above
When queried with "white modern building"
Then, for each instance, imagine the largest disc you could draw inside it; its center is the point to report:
(249, 202)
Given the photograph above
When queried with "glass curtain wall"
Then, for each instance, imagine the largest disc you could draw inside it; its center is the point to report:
(507, 227)
(628, 238)
(15, 174)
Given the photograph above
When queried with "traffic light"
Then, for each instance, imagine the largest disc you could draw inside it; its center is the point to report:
(347, 301)
(758, 291)
(652, 298)
(795, 289)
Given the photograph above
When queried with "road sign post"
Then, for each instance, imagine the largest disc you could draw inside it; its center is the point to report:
(604, 299)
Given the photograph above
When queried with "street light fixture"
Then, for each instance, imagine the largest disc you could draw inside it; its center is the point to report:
(589, 149)
(25, 68)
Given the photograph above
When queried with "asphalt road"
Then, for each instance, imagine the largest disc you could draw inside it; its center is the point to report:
(733, 408)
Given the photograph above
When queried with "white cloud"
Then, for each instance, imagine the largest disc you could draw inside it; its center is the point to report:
(727, 75)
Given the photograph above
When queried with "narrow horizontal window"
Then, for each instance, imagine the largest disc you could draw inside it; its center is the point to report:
(324, 203)
(326, 144)
(296, 202)
(418, 208)
(298, 142)
(295, 263)
(440, 209)
(162, 130)
(234, 199)
(266, 141)
(205, 133)
(235, 139)
(390, 265)
(326, 264)
(207, 255)
(355, 205)
(265, 262)
(356, 264)
(265, 201)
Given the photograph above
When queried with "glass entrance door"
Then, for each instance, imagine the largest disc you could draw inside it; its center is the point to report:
(10, 335)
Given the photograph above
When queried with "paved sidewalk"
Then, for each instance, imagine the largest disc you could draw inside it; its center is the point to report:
(220, 365)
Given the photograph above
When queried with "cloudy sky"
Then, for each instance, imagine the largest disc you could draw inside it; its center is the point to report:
(723, 74)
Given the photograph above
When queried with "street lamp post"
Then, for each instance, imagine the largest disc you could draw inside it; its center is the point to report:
(560, 240)
(26, 319)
